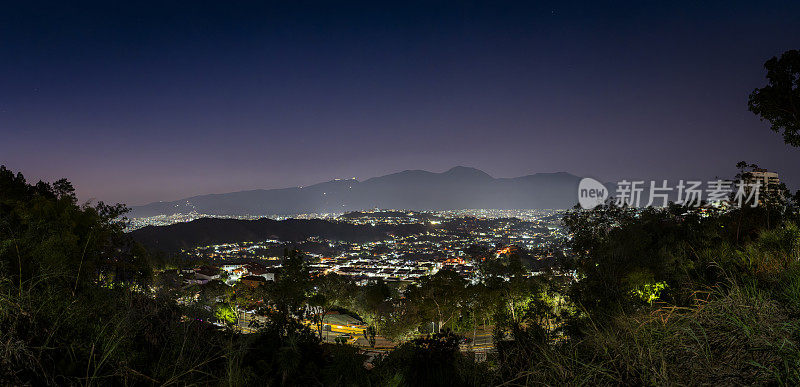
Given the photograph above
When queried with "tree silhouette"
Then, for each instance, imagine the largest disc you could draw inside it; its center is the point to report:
(329, 291)
(779, 101)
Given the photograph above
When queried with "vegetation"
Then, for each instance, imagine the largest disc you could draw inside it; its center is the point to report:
(673, 295)
(779, 101)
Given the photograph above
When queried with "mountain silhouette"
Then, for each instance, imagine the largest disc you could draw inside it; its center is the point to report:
(456, 188)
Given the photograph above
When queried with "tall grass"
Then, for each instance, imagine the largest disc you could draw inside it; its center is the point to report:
(100, 336)
(744, 330)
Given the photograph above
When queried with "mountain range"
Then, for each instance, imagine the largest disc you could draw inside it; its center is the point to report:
(457, 188)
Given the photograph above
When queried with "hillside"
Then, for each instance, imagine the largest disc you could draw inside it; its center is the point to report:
(213, 231)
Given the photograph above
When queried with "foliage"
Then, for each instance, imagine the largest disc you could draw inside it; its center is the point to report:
(329, 291)
(431, 361)
(290, 290)
(731, 337)
(438, 298)
(225, 313)
(779, 101)
(655, 296)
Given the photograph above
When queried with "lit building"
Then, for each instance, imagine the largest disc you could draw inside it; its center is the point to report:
(766, 177)
(769, 180)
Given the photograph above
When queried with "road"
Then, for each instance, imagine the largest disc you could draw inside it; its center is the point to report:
(481, 343)
(483, 340)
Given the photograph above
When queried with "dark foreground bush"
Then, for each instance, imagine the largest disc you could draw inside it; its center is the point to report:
(661, 298)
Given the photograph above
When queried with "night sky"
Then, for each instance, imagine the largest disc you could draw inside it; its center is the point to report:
(144, 102)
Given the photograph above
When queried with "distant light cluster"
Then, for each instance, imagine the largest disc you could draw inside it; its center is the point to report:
(406, 217)
(449, 243)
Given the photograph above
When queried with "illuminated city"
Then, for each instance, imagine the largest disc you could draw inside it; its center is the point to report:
(413, 193)
(450, 243)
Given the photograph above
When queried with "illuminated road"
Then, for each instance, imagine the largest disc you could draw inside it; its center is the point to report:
(481, 343)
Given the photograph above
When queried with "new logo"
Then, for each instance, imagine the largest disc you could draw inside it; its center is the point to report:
(591, 193)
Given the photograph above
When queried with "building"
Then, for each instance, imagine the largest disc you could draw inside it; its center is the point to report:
(253, 281)
(769, 180)
(204, 274)
(770, 183)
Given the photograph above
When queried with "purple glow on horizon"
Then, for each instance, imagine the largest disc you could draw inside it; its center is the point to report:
(157, 102)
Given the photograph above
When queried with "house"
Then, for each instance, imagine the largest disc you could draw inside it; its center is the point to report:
(204, 274)
(253, 281)
(255, 268)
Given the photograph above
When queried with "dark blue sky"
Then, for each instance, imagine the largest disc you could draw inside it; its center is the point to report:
(143, 102)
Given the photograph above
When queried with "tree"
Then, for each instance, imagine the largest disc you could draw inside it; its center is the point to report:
(502, 267)
(779, 101)
(615, 248)
(215, 291)
(772, 197)
(329, 291)
(431, 361)
(74, 308)
(398, 319)
(439, 297)
(373, 303)
(289, 292)
(369, 334)
(225, 313)
(43, 231)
